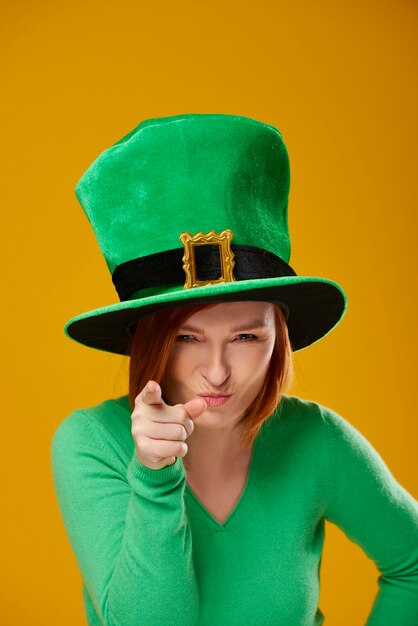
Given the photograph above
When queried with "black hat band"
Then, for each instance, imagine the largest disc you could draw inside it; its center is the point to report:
(166, 268)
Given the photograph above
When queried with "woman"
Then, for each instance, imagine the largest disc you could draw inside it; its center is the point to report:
(200, 497)
(224, 372)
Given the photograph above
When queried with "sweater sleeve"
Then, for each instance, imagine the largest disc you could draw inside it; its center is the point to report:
(128, 528)
(376, 512)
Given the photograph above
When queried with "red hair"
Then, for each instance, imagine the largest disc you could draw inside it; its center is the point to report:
(153, 338)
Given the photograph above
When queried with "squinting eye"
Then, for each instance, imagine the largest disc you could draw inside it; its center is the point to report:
(251, 336)
(184, 338)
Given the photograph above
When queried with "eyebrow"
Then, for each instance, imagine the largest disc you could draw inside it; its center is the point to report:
(234, 329)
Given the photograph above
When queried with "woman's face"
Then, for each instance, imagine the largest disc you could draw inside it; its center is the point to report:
(224, 350)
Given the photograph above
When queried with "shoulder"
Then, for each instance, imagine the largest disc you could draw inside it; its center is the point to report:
(296, 414)
(106, 424)
(307, 422)
(315, 426)
(293, 411)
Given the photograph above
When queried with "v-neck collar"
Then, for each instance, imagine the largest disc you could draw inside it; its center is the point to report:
(241, 506)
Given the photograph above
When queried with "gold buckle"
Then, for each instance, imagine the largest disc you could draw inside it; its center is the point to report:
(223, 240)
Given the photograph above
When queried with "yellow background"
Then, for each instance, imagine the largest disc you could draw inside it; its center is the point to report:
(339, 81)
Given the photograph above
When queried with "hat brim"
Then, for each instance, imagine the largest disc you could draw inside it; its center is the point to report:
(315, 305)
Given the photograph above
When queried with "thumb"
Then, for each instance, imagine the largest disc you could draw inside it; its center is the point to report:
(195, 407)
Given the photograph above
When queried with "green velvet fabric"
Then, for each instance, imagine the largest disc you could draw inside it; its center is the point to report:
(188, 173)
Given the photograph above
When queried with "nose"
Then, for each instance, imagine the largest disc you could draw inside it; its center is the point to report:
(215, 368)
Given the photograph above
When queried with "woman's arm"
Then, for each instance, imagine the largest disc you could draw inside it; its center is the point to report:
(376, 512)
(127, 526)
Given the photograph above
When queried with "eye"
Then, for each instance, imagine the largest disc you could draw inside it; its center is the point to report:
(184, 338)
(250, 336)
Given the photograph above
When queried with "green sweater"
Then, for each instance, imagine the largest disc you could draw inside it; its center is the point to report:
(150, 554)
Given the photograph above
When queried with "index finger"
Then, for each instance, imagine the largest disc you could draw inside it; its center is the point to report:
(151, 393)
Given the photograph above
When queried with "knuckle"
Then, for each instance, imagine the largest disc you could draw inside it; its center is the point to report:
(182, 447)
(137, 430)
(136, 413)
(136, 417)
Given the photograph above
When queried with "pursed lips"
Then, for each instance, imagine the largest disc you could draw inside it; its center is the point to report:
(215, 400)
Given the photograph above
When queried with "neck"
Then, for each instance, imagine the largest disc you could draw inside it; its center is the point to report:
(212, 452)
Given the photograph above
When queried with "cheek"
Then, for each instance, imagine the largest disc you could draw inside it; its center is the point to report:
(255, 364)
(176, 369)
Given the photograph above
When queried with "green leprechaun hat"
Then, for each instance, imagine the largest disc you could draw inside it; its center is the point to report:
(193, 208)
